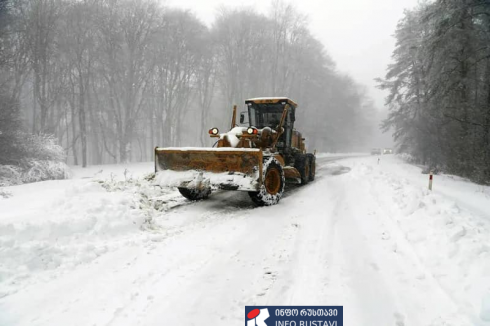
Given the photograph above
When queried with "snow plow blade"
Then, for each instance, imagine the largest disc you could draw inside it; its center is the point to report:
(197, 168)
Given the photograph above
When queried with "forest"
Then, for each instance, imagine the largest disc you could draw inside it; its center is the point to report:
(105, 81)
(439, 87)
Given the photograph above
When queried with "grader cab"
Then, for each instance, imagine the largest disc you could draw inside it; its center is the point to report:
(259, 159)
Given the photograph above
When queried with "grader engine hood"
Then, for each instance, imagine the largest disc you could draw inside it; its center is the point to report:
(222, 168)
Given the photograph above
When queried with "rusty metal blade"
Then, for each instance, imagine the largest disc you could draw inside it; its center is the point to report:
(219, 160)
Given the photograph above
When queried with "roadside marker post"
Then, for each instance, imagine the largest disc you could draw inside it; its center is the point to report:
(430, 180)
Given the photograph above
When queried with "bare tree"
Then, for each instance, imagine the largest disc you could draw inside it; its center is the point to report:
(126, 31)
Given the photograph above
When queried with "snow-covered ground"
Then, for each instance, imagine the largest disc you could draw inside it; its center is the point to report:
(364, 235)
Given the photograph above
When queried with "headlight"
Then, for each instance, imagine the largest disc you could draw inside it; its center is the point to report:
(213, 131)
(252, 131)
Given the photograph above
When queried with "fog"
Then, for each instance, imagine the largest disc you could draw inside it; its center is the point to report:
(358, 34)
(110, 80)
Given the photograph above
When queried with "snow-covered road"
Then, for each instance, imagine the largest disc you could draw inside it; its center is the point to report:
(367, 236)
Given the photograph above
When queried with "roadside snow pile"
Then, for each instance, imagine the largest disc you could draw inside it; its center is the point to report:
(69, 226)
(72, 230)
(149, 195)
(449, 236)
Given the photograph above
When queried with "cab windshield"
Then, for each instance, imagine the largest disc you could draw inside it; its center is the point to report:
(265, 115)
(269, 115)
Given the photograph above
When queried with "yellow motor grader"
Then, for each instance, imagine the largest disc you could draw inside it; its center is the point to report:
(259, 159)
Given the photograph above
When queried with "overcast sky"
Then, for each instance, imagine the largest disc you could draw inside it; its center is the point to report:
(356, 33)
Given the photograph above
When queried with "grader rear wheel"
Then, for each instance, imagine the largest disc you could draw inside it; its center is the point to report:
(302, 164)
(312, 166)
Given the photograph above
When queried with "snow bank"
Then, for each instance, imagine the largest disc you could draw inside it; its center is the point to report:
(448, 227)
(73, 229)
(49, 228)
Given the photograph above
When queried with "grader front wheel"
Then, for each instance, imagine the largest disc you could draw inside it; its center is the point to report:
(273, 185)
(272, 181)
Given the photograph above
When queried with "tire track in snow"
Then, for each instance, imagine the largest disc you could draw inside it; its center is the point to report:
(217, 256)
(245, 278)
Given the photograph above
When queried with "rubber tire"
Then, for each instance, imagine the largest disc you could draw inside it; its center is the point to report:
(262, 197)
(301, 161)
(195, 194)
(312, 166)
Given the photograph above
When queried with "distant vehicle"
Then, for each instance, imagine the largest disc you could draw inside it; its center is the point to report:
(376, 151)
(387, 151)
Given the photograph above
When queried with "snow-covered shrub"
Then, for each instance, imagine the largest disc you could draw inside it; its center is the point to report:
(40, 170)
(26, 157)
(42, 147)
(5, 194)
(36, 158)
(407, 157)
(10, 175)
(45, 159)
(426, 168)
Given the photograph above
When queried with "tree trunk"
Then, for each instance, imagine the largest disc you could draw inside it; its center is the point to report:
(82, 119)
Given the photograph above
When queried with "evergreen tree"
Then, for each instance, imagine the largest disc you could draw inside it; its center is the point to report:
(439, 86)
(10, 123)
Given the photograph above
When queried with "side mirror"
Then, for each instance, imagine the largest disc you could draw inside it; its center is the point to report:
(242, 117)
